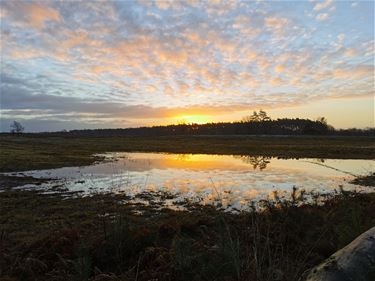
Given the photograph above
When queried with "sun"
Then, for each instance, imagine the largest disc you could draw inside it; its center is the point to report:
(196, 119)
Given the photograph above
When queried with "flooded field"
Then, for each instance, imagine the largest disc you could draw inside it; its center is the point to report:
(232, 180)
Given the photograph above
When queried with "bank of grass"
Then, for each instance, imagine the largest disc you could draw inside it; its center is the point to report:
(103, 237)
(42, 151)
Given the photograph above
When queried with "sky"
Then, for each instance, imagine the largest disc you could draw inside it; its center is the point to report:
(115, 64)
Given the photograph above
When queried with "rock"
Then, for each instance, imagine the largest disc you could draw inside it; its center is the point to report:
(355, 262)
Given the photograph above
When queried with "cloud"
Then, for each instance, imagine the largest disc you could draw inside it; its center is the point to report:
(77, 56)
(322, 17)
(275, 22)
(278, 25)
(323, 5)
(350, 52)
(167, 4)
(39, 14)
(359, 72)
(34, 14)
(341, 37)
(279, 68)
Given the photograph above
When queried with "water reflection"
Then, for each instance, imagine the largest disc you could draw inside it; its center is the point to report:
(256, 161)
(230, 180)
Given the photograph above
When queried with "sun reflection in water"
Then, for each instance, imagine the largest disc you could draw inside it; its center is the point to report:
(209, 179)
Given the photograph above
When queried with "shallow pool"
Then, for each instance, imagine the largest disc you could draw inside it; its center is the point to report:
(233, 180)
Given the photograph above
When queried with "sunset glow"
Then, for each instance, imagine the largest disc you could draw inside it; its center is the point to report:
(194, 119)
(109, 64)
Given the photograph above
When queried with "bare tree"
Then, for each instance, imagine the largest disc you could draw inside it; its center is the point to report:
(16, 128)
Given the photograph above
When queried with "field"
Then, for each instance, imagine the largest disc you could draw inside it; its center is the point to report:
(38, 151)
(47, 237)
(65, 236)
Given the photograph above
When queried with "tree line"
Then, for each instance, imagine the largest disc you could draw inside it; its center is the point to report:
(258, 123)
(272, 127)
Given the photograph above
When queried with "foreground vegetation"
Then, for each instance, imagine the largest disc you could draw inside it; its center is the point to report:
(366, 180)
(42, 151)
(64, 236)
(104, 237)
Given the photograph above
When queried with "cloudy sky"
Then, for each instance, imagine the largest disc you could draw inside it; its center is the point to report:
(100, 64)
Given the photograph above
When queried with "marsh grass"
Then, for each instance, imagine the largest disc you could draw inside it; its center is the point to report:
(64, 236)
(365, 180)
(101, 237)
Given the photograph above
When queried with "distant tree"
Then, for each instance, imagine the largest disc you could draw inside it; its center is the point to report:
(254, 117)
(16, 127)
(257, 117)
(251, 118)
(322, 120)
(263, 116)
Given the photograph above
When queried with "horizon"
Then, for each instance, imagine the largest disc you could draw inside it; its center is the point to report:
(245, 119)
(127, 64)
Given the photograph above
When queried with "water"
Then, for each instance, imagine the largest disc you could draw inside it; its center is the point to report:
(232, 180)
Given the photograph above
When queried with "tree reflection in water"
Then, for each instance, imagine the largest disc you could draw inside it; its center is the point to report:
(260, 162)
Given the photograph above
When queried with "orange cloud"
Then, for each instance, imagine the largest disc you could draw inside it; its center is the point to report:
(276, 22)
(355, 73)
(350, 52)
(279, 68)
(39, 14)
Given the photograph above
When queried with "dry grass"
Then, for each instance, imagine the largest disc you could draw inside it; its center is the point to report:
(54, 237)
(38, 151)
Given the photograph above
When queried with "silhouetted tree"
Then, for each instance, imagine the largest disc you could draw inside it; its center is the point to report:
(251, 118)
(262, 115)
(322, 120)
(284, 126)
(16, 128)
(254, 117)
(257, 117)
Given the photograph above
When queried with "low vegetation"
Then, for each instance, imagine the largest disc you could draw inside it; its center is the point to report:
(62, 236)
(41, 151)
(59, 235)
(366, 180)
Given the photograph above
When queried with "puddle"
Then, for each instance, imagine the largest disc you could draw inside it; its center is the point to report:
(232, 181)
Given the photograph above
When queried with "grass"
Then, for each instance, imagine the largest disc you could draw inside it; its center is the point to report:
(58, 237)
(13, 181)
(63, 236)
(38, 151)
(367, 180)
